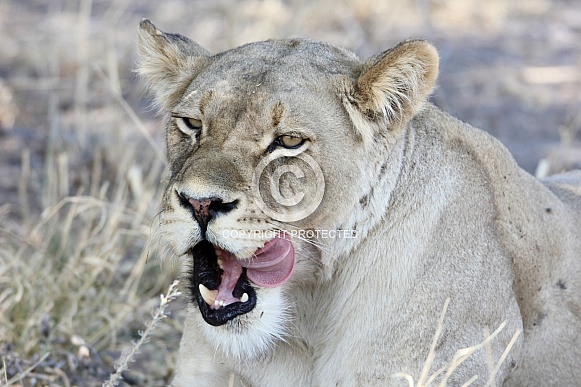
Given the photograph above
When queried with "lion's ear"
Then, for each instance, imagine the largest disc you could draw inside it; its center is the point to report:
(168, 62)
(393, 85)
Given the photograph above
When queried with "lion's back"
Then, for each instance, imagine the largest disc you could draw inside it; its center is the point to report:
(567, 186)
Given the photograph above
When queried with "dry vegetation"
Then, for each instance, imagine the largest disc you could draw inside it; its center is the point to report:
(81, 159)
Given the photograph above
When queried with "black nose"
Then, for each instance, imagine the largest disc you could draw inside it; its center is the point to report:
(205, 209)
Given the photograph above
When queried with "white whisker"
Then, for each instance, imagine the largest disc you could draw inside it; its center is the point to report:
(319, 245)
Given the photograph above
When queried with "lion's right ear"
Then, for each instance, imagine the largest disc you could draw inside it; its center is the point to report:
(168, 62)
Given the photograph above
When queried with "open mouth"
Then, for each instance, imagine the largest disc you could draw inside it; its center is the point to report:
(224, 287)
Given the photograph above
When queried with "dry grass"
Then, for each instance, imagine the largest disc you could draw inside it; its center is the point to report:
(442, 375)
(81, 159)
(76, 269)
(129, 354)
(76, 281)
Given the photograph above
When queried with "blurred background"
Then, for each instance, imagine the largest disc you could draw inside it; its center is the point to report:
(82, 155)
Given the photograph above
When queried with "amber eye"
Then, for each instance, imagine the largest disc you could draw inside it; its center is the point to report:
(291, 142)
(192, 123)
(187, 124)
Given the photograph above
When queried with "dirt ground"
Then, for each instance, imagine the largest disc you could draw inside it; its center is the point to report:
(69, 98)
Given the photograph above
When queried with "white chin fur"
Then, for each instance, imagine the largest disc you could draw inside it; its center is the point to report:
(255, 333)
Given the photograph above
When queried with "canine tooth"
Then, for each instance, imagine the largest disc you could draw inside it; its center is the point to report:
(208, 295)
(244, 297)
(221, 263)
(218, 252)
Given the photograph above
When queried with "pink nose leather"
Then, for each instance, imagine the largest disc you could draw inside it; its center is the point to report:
(201, 212)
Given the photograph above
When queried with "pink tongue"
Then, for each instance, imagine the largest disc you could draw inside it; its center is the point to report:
(271, 265)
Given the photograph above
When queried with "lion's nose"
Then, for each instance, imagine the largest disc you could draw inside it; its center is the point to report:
(204, 209)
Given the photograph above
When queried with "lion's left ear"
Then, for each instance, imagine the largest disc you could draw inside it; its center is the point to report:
(393, 86)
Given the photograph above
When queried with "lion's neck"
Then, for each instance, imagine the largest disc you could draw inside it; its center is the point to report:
(394, 228)
(369, 205)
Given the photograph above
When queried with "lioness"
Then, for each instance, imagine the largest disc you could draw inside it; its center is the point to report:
(324, 212)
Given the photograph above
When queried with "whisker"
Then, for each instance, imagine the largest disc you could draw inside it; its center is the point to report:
(277, 224)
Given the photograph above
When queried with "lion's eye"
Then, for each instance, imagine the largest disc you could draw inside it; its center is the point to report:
(291, 142)
(187, 124)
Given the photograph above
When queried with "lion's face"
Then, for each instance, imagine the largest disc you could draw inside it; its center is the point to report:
(247, 154)
(271, 146)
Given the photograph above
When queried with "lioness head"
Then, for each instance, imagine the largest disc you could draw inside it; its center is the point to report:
(274, 150)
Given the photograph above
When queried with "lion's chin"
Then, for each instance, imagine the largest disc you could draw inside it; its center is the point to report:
(254, 334)
(224, 287)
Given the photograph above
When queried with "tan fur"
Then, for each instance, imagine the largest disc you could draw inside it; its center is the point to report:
(440, 209)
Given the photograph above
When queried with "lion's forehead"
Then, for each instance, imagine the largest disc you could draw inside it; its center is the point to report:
(280, 64)
(246, 86)
(254, 110)
(250, 95)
